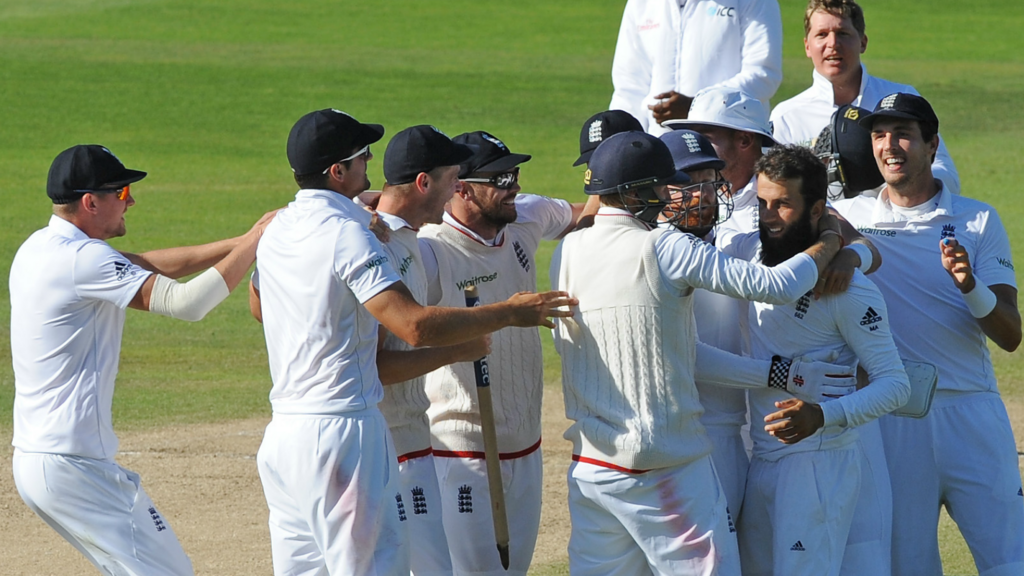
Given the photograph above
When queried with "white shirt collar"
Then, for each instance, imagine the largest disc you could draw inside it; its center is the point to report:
(66, 229)
(824, 86)
(498, 238)
(612, 211)
(883, 212)
(394, 222)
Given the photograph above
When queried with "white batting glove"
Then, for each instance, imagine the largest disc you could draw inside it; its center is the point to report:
(811, 381)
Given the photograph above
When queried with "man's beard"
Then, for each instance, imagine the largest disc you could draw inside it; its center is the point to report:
(797, 237)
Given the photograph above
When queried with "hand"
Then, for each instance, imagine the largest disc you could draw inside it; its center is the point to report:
(957, 262)
(795, 421)
(261, 224)
(378, 227)
(838, 274)
(817, 381)
(369, 199)
(534, 308)
(671, 106)
(473, 350)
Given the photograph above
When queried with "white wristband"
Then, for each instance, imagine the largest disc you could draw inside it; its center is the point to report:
(866, 259)
(980, 300)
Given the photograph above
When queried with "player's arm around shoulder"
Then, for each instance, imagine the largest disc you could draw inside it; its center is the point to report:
(192, 300)
(863, 320)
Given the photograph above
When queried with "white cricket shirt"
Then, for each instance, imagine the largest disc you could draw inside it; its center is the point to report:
(800, 119)
(667, 45)
(455, 257)
(845, 329)
(317, 264)
(405, 404)
(929, 319)
(68, 298)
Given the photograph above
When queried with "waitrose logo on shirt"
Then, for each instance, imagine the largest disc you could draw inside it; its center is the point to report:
(462, 285)
(378, 261)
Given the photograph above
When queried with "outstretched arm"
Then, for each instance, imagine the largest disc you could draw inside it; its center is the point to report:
(419, 326)
(395, 366)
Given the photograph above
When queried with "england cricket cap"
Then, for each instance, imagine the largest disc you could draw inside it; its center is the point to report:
(323, 137)
(851, 147)
(630, 160)
(691, 151)
(902, 105)
(727, 108)
(601, 126)
(420, 149)
(86, 168)
(490, 154)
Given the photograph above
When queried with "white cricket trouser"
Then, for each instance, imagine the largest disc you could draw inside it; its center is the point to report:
(466, 505)
(331, 484)
(428, 547)
(671, 521)
(797, 512)
(731, 463)
(102, 510)
(869, 545)
(963, 455)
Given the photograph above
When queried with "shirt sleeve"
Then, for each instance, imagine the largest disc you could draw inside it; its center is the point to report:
(102, 273)
(362, 261)
(632, 68)
(686, 261)
(863, 322)
(722, 368)
(761, 56)
(993, 264)
(553, 215)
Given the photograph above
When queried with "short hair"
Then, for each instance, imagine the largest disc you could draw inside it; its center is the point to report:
(783, 163)
(842, 8)
(319, 180)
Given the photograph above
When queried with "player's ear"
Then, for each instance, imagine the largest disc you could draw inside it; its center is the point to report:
(423, 182)
(818, 210)
(863, 43)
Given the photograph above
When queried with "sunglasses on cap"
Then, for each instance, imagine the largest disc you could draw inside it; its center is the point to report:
(503, 181)
(122, 193)
(365, 150)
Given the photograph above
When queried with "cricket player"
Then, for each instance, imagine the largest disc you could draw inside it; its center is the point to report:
(415, 194)
(669, 50)
(643, 494)
(949, 284)
(489, 238)
(737, 125)
(804, 483)
(834, 39)
(69, 291)
(327, 462)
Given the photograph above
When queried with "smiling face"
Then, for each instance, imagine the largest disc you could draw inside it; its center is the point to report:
(495, 206)
(902, 154)
(787, 225)
(834, 46)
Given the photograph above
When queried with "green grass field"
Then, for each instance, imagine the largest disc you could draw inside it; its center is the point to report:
(201, 93)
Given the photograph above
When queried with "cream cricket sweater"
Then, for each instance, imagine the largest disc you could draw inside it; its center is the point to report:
(515, 362)
(628, 353)
(405, 404)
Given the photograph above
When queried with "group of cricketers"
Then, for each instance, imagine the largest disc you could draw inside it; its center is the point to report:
(770, 367)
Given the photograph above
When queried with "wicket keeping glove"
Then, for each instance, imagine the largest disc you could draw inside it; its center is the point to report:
(811, 381)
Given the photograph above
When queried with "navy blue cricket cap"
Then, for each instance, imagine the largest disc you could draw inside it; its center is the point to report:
(490, 154)
(902, 105)
(421, 149)
(87, 168)
(630, 160)
(323, 137)
(601, 126)
(691, 151)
